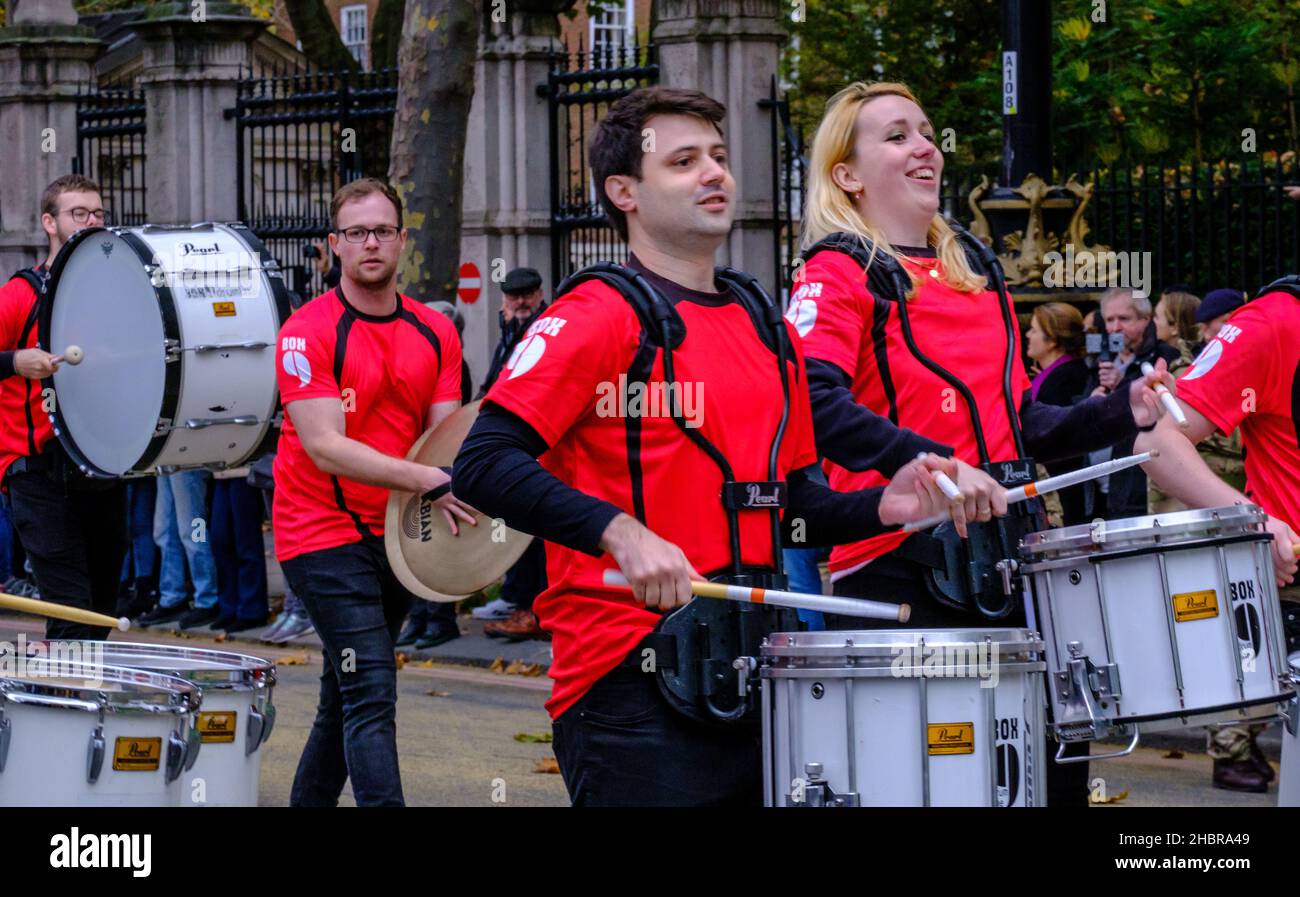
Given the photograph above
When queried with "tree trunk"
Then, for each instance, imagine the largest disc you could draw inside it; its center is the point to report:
(435, 86)
(386, 33)
(320, 40)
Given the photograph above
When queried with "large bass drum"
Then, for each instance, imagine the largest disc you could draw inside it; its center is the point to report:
(178, 328)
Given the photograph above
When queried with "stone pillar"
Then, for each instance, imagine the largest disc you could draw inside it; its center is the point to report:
(190, 70)
(45, 61)
(507, 200)
(730, 49)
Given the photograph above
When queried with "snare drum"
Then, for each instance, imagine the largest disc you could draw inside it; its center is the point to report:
(235, 721)
(888, 718)
(87, 735)
(1158, 622)
(178, 328)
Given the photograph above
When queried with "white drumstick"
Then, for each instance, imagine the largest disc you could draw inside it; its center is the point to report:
(1051, 484)
(831, 604)
(1171, 403)
(945, 483)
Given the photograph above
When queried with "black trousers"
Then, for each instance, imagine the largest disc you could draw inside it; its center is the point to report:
(622, 745)
(76, 539)
(893, 579)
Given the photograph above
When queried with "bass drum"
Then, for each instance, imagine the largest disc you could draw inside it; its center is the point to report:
(178, 328)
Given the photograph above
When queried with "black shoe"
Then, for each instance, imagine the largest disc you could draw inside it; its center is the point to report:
(160, 615)
(243, 625)
(224, 622)
(1239, 775)
(199, 616)
(437, 634)
(1260, 762)
(135, 604)
(410, 634)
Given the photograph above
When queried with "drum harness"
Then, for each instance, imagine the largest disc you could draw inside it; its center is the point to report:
(980, 573)
(698, 648)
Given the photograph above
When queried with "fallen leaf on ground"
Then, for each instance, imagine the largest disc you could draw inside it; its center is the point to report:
(498, 665)
(547, 764)
(438, 694)
(424, 663)
(1112, 799)
(401, 660)
(220, 637)
(1174, 754)
(292, 660)
(531, 738)
(519, 668)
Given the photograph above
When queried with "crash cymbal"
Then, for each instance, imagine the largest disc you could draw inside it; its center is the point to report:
(426, 558)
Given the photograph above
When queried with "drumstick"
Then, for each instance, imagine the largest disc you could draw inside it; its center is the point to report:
(831, 604)
(1051, 484)
(1171, 404)
(62, 612)
(945, 483)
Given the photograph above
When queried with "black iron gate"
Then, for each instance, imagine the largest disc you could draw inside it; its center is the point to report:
(110, 150)
(301, 135)
(580, 88)
(789, 173)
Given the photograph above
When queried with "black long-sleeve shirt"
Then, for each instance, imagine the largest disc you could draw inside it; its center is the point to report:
(498, 473)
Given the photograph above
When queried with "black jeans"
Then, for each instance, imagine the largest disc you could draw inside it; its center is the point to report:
(357, 606)
(76, 540)
(622, 745)
(894, 579)
(527, 578)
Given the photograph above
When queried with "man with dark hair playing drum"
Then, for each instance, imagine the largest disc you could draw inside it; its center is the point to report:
(363, 371)
(73, 529)
(659, 490)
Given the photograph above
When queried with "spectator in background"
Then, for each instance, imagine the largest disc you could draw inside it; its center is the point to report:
(180, 528)
(1055, 343)
(293, 621)
(1130, 314)
(238, 551)
(1175, 317)
(1215, 309)
(139, 591)
(432, 624)
(510, 616)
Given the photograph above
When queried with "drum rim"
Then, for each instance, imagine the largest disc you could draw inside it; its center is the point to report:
(259, 673)
(156, 693)
(1124, 550)
(883, 642)
(171, 371)
(1150, 529)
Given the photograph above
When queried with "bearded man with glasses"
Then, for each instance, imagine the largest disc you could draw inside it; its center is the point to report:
(363, 371)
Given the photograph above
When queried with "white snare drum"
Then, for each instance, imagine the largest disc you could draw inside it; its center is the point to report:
(903, 718)
(87, 735)
(178, 329)
(1158, 622)
(1288, 780)
(236, 719)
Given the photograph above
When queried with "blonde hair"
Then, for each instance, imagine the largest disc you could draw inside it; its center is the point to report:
(829, 209)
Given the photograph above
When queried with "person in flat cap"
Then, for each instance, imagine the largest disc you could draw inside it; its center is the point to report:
(510, 616)
(1215, 308)
(521, 302)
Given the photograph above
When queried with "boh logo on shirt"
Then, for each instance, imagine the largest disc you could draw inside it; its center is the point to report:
(294, 360)
(530, 349)
(802, 312)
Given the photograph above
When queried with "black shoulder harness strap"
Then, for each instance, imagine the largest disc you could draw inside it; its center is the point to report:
(662, 329)
(1289, 284)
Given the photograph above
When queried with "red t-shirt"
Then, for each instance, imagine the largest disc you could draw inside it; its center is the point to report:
(564, 380)
(387, 371)
(842, 323)
(24, 424)
(1249, 376)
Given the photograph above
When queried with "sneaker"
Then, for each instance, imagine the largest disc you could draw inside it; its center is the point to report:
(160, 615)
(521, 627)
(410, 634)
(496, 609)
(295, 626)
(22, 587)
(437, 634)
(199, 616)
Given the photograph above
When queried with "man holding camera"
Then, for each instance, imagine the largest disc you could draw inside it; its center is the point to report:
(1128, 316)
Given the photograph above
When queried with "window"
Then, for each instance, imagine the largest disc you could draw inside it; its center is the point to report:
(356, 36)
(611, 28)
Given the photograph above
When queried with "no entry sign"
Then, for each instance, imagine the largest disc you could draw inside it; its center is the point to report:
(471, 283)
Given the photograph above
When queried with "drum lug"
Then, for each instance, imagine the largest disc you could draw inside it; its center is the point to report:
(193, 742)
(256, 729)
(5, 732)
(269, 725)
(1078, 688)
(744, 667)
(177, 751)
(1290, 717)
(95, 755)
(1104, 680)
(816, 791)
(163, 427)
(172, 350)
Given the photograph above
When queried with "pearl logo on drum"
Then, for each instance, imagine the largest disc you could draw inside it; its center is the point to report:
(77, 851)
(191, 249)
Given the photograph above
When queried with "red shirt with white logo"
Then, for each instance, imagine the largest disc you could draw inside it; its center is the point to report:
(568, 379)
(387, 371)
(24, 425)
(842, 323)
(1248, 376)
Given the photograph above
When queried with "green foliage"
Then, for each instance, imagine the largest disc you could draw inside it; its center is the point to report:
(1131, 81)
